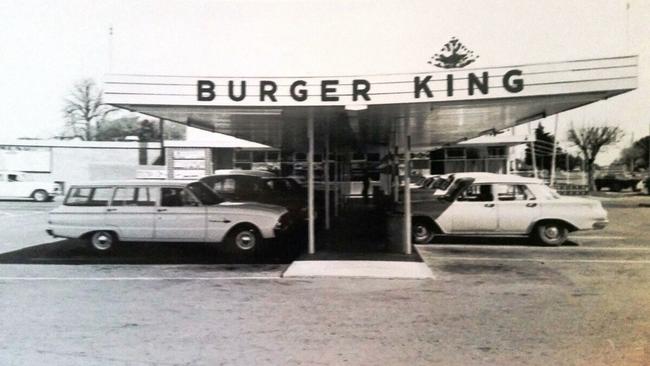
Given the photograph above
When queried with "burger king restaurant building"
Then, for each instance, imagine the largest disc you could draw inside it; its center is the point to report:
(398, 113)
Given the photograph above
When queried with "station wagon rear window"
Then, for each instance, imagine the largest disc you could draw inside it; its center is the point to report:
(89, 196)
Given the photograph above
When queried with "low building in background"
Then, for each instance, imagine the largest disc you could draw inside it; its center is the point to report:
(503, 153)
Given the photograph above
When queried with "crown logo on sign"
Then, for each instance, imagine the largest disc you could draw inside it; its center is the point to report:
(453, 55)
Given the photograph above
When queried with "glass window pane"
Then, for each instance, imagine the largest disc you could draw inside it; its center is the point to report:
(243, 155)
(144, 197)
(477, 193)
(259, 156)
(512, 192)
(78, 196)
(171, 197)
(101, 196)
(124, 196)
(455, 152)
(272, 156)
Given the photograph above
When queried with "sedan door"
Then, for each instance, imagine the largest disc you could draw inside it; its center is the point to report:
(180, 216)
(132, 212)
(517, 208)
(473, 212)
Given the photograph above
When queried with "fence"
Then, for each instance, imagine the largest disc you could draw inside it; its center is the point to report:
(568, 184)
(571, 189)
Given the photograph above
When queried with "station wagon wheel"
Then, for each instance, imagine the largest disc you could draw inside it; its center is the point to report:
(102, 241)
(421, 231)
(40, 195)
(552, 233)
(243, 239)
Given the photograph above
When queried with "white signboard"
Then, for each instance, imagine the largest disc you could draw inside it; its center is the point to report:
(151, 173)
(188, 174)
(433, 85)
(189, 164)
(26, 158)
(189, 154)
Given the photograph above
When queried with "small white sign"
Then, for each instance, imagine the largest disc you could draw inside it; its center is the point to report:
(188, 174)
(189, 164)
(151, 174)
(189, 154)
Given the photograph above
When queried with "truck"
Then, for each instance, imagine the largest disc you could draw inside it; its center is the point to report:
(19, 185)
(617, 182)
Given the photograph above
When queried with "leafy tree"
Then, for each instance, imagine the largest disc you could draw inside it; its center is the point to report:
(636, 156)
(118, 129)
(146, 130)
(590, 140)
(84, 110)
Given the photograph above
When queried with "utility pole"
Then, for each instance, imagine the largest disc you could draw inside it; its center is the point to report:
(162, 142)
(648, 161)
(533, 156)
(557, 116)
(631, 162)
(627, 27)
(110, 49)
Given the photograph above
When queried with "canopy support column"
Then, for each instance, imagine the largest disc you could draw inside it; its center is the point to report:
(337, 182)
(310, 182)
(395, 172)
(407, 188)
(327, 174)
(553, 159)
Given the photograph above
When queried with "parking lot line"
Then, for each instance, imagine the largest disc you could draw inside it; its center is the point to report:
(598, 237)
(564, 249)
(544, 260)
(218, 278)
(30, 213)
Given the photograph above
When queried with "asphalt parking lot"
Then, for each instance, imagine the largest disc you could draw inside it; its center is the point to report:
(497, 301)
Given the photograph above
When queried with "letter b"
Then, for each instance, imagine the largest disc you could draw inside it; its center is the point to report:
(205, 91)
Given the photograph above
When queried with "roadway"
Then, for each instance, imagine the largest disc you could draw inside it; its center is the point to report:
(498, 301)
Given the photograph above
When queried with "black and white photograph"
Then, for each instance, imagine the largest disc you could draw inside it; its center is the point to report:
(324, 182)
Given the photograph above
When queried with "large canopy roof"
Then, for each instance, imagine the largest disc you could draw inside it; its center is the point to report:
(438, 107)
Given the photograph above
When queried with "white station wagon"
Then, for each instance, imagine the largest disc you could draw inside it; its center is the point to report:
(162, 211)
(504, 205)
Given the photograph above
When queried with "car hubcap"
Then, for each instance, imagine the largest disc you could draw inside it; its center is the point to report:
(102, 241)
(245, 240)
(421, 232)
(552, 232)
(40, 196)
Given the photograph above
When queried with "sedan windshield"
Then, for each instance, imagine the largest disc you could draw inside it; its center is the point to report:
(204, 194)
(544, 191)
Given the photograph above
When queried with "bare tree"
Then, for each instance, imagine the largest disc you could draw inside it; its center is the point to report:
(85, 110)
(591, 140)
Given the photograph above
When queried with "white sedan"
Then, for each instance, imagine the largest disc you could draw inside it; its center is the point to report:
(505, 205)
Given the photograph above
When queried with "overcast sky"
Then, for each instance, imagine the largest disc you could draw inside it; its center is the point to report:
(48, 45)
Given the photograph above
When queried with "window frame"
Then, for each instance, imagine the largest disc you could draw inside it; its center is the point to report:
(90, 196)
(523, 189)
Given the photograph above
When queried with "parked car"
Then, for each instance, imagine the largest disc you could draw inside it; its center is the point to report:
(505, 205)
(244, 186)
(18, 185)
(162, 211)
(438, 185)
(617, 182)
